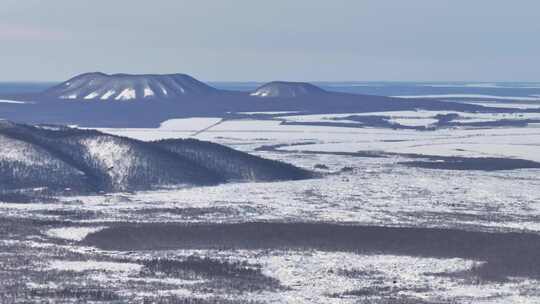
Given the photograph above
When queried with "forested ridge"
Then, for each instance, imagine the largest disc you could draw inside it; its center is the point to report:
(62, 159)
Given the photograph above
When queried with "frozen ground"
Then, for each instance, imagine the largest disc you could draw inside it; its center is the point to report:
(508, 142)
(11, 101)
(82, 248)
(473, 96)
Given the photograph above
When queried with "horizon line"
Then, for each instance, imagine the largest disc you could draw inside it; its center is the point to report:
(308, 81)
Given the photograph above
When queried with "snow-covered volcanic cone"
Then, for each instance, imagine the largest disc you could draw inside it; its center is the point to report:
(100, 86)
(283, 89)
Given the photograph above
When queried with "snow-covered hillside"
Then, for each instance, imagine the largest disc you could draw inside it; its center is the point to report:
(100, 86)
(284, 89)
(59, 158)
(26, 165)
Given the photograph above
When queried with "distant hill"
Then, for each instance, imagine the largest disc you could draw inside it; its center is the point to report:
(100, 86)
(122, 100)
(60, 158)
(283, 89)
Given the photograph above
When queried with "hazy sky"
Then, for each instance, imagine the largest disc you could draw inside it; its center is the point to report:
(432, 40)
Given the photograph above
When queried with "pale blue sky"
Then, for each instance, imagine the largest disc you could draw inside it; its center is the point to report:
(304, 40)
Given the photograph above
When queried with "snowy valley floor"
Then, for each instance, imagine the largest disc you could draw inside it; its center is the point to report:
(371, 230)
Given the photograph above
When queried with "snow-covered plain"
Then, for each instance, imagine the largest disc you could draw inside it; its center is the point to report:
(188, 124)
(72, 233)
(472, 96)
(11, 101)
(481, 85)
(377, 191)
(414, 118)
(80, 266)
(514, 105)
(510, 142)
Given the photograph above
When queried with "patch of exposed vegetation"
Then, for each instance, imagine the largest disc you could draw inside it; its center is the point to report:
(220, 274)
(75, 293)
(213, 300)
